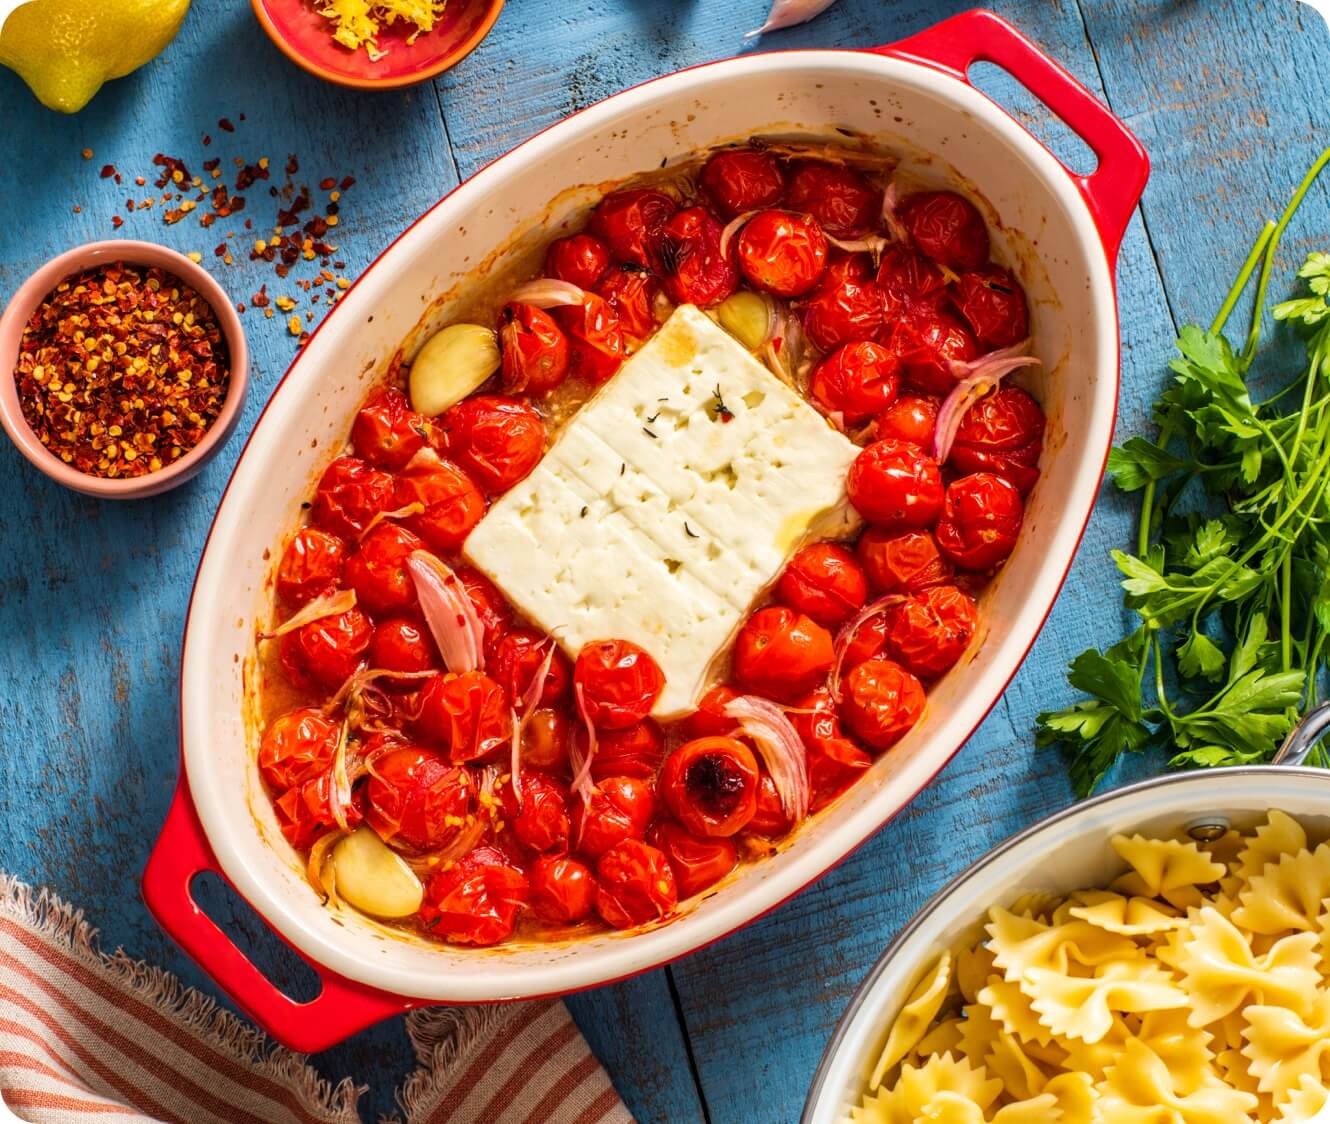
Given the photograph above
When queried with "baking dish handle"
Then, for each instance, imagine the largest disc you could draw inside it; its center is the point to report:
(1304, 737)
(341, 1008)
(1113, 189)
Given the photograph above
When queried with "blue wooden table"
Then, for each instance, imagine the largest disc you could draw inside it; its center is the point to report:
(1229, 97)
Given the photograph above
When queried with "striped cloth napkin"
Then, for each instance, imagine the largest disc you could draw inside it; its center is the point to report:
(90, 1036)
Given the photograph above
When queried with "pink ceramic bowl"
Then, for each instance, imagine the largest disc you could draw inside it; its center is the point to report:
(34, 290)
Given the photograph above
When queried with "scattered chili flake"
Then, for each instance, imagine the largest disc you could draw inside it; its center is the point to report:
(292, 164)
(121, 370)
(225, 125)
(293, 325)
(327, 184)
(348, 182)
(77, 209)
(117, 221)
(87, 154)
(108, 170)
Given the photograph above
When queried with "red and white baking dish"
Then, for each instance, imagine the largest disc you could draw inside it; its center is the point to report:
(1059, 231)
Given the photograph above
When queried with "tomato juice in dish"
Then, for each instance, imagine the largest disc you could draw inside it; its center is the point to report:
(616, 586)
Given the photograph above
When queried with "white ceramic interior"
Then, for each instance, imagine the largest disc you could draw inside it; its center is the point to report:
(1068, 851)
(949, 132)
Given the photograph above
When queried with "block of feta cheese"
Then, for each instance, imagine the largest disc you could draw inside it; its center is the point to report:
(668, 503)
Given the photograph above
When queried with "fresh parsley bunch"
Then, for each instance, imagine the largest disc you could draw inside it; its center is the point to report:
(1230, 580)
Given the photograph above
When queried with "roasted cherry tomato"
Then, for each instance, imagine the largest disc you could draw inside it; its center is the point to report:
(635, 885)
(742, 179)
(631, 222)
(697, 863)
(856, 381)
(417, 799)
(297, 747)
(563, 890)
(868, 641)
(824, 581)
(769, 820)
(631, 293)
(580, 259)
(306, 812)
(496, 615)
(993, 303)
(981, 521)
(452, 503)
(896, 485)
(326, 652)
(535, 350)
(1002, 434)
(476, 900)
(467, 714)
(781, 653)
(930, 631)
(783, 253)
(517, 658)
(835, 761)
(842, 312)
(311, 566)
(933, 347)
(619, 683)
(694, 271)
(620, 808)
(539, 817)
(401, 644)
(349, 495)
(880, 702)
(910, 418)
(710, 784)
(545, 740)
(596, 346)
(907, 279)
(377, 569)
(635, 751)
(710, 719)
(901, 561)
(947, 228)
(842, 200)
(496, 440)
(387, 432)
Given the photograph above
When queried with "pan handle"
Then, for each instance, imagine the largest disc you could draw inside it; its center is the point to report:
(1302, 739)
(342, 1006)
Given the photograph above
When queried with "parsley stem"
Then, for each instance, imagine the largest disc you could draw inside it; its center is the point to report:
(1243, 277)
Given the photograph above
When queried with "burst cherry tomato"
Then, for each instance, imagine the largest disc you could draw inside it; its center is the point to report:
(856, 381)
(834, 760)
(349, 495)
(635, 885)
(596, 346)
(896, 485)
(631, 222)
(539, 818)
(311, 566)
(387, 432)
(377, 570)
(563, 890)
(825, 582)
(620, 808)
(901, 561)
(452, 502)
(694, 269)
(631, 293)
(1002, 434)
(535, 350)
(619, 681)
(475, 901)
(993, 303)
(306, 812)
(297, 747)
(710, 719)
(931, 346)
(401, 644)
(868, 641)
(781, 653)
(930, 632)
(494, 612)
(842, 312)
(910, 418)
(326, 652)
(782, 253)
(467, 714)
(906, 279)
(947, 228)
(770, 820)
(981, 521)
(581, 260)
(710, 785)
(697, 863)
(496, 440)
(880, 702)
(418, 799)
(517, 658)
(636, 751)
(842, 200)
(742, 179)
(545, 740)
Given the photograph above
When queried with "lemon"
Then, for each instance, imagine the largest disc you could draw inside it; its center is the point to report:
(65, 49)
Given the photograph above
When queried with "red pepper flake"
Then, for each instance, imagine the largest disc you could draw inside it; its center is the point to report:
(77, 209)
(348, 182)
(327, 184)
(117, 221)
(219, 250)
(292, 164)
(122, 370)
(140, 180)
(87, 154)
(108, 170)
(225, 125)
(207, 140)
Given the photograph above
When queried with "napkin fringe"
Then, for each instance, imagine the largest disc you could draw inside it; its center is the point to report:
(441, 1036)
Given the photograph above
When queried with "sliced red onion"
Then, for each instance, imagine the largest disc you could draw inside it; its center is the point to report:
(329, 605)
(787, 13)
(780, 748)
(449, 612)
(548, 292)
(318, 853)
(339, 792)
(837, 419)
(731, 229)
(847, 631)
(890, 220)
(361, 679)
(977, 378)
(873, 244)
(534, 689)
(581, 782)
(413, 508)
(515, 762)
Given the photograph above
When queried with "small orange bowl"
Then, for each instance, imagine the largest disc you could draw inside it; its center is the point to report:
(305, 37)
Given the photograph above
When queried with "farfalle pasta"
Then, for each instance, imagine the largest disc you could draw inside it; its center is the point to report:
(1195, 989)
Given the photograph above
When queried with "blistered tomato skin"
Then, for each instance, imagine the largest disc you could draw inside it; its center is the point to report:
(535, 350)
(297, 747)
(467, 714)
(896, 485)
(947, 228)
(631, 293)
(494, 613)
(452, 503)
(635, 885)
(476, 901)
(631, 221)
(901, 561)
(328, 651)
(563, 890)
(868, 642)
(932, 345)
(880, 702)
(742, 179)
(635, 751)
(782, 253)
(710, 719)
(856, 381)
(417, 799)
(311, 566)
(710, 785)
(517, 659)
(907, 280)
(387, 432)
(981, 521)
(596, 344)
(620, 808)
(349, 495)
(1002, 434)
(496, 440)
(619, 681)
(842, 200)
(992, 302)
(825, 582)
(539, 817)
(545, 740)
(769, 819)
(842, 312)
(835, 761)
(781, 653)
(580, 259)
(694, 271)
(698, 863)
(306, 812)
(377, 570)
(402, 644)
(911, 418)
(930, 631)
